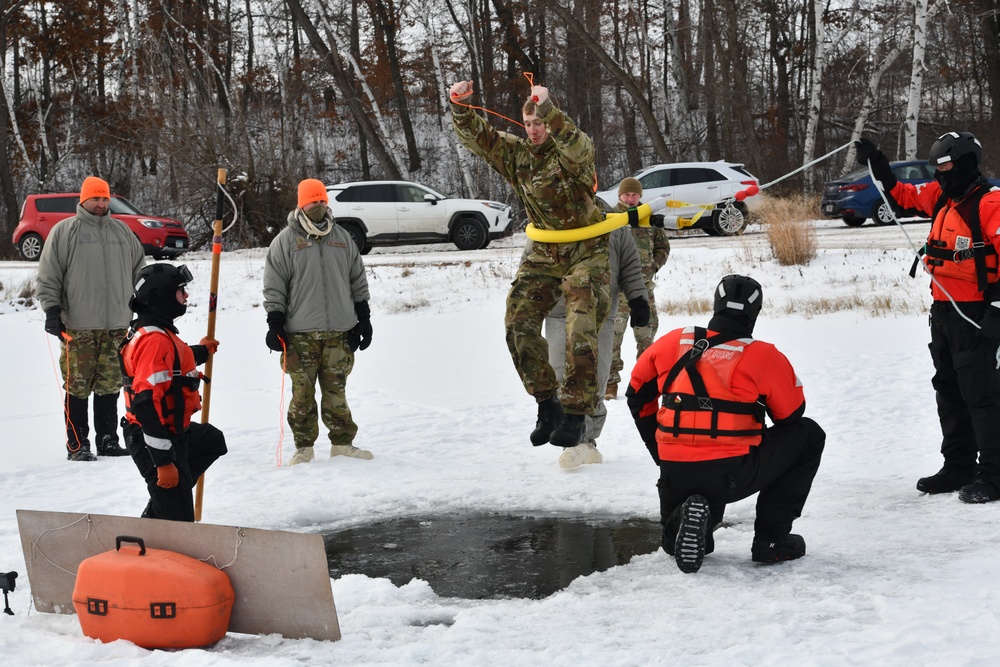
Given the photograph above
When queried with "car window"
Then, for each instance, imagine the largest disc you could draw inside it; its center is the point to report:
(741, 170)
(655, 179)
(382, 192)
(689, 175)
(909, 172)
(410, 193)
(56, 204)
(122, 206)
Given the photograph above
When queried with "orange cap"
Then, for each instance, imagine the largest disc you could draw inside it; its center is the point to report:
(311, 190)
(94, 187)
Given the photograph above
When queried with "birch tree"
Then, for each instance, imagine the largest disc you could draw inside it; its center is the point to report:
(923, 10)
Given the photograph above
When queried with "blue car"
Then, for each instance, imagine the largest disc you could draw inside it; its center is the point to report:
(853, 198)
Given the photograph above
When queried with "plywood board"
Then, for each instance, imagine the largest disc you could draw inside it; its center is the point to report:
(281, 579)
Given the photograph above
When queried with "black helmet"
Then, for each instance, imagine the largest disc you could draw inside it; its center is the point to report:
(952, 145)
(739, 298)
(155, 293)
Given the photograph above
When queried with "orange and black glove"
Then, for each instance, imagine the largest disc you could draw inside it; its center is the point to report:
(210, 344)
(276, 338)
(167, 476)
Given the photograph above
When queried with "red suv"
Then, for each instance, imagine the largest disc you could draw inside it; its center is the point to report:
(162, 238)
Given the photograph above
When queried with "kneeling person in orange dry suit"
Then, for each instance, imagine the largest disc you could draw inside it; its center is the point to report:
(161, 393)
(708, 434)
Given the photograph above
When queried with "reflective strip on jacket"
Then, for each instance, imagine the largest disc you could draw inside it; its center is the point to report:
(148, 359)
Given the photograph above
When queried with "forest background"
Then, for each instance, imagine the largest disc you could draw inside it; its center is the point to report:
(156, 95)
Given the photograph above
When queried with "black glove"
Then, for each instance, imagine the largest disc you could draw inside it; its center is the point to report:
(656, 220)
(990, 324)
(53, 322)
(276, 338)
(640, 312)
(869, 152)
(360, 337)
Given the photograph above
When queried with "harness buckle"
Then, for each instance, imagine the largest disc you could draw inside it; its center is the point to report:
(967, 253)
(705, 403)
(699, 346)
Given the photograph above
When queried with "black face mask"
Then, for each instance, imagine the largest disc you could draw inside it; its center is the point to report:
(957, 181)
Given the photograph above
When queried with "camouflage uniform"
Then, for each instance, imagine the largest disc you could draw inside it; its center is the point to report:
(555, 182)
(316, 282)
(93, 362)
(654, 248)
(322, 355)
(88, 267)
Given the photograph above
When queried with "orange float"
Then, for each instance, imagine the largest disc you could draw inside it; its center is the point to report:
(152, 597)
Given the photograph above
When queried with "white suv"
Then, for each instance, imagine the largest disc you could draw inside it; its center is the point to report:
(403, 212)
(699, 183)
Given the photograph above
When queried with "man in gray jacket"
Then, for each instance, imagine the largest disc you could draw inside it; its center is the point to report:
(625, 277)
(316, 298)
(86, 273)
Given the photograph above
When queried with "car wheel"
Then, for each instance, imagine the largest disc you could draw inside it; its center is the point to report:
(854, 222)
(729, 220)
(883, 215)
(30, 246)
(358, 236)
(469, 234)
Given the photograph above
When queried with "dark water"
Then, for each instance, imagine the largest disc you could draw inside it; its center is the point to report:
(476, 556)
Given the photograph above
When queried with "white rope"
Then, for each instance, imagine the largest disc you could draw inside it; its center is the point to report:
(916, 252)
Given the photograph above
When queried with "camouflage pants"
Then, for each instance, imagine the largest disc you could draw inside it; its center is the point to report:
(579, 272)
(89, 362)
(323, 356)
(643, 335)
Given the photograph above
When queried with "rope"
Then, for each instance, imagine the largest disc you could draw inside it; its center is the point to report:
(65, 401)
(916, 252)
(458, 100)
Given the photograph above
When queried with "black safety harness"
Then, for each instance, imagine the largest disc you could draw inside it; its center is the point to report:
(936, 251)
(700, 401)
(178, 383)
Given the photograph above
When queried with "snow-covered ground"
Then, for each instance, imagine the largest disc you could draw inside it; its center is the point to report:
(892, 577)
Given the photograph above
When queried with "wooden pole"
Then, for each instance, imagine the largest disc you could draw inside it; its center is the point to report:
(213, 302)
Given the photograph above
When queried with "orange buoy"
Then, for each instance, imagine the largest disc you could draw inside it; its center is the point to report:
(152, 597)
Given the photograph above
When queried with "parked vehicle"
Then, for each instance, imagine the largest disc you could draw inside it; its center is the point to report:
(699, 183)
(163, 238)
(854, 198)
(403, 212)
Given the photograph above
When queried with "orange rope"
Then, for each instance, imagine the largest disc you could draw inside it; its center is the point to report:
(531, 82)
(65, 402)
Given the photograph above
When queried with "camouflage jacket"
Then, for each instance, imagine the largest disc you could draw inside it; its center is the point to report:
(554, 181)
(653, 244)
(315, 282)
(89, 267)
(625, 272)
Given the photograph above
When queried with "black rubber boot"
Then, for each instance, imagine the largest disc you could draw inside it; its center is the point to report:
(106, 425)
(549, 415)
(77, 430)
(945, 481)
(570, 432)
(979, 491)
(774, 550)
(692, 534)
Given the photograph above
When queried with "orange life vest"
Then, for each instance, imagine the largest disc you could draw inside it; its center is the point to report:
(700, 417)
(955, 246)
(157, 360)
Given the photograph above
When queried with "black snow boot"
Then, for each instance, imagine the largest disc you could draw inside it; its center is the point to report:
(979, 491)
(549, 415)
(945, 481)
(774, 550)
(106, 425)
(570, 432)
(692, 534)
(77, 430)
